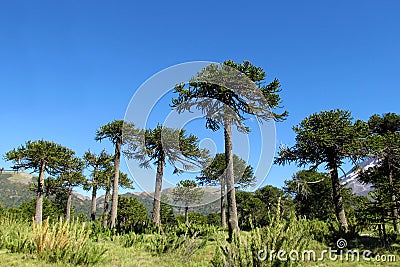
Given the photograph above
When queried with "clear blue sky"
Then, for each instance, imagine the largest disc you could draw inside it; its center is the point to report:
(68, 67)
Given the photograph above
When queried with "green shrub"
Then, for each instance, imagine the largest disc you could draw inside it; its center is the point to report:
(63, 241)
(279, 234)
(132, 216)
(201, 230)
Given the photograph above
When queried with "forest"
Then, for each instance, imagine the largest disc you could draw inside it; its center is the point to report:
(315, 219)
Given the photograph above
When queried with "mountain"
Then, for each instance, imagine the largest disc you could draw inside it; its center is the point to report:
(15, 190)
(351, 181)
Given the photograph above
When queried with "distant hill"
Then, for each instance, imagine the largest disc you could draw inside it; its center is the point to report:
(14, 190)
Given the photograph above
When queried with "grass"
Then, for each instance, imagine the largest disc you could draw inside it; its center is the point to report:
(148, 249)
(117, 255)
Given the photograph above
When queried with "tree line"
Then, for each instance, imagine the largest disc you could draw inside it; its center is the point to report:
(327, 139)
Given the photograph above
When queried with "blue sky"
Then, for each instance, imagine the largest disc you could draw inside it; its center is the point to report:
(68, 67)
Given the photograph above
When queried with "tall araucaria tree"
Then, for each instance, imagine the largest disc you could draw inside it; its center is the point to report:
(113, 131)
(214, 175)
(227, 94)
(385, 136)
(328, 138)
(161, 145)
(97, 163)
(43, 157)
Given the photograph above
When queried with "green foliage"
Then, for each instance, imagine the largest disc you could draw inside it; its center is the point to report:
(240, 86)
(191, 229)
(1, 209)
(132, 215)
(181, 240)
(214, 219)
(59, 242)
(279, 234)
(385, 147)
(213, 173)
(195, 218)
(256, 209)
(311, 193)
(50, 210)
(166, 213)
(326, 137)
(34, 153)
(116, 131)
(163, 143)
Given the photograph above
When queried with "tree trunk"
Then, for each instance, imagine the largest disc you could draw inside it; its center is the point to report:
(114, 207)
(106, 200)
(394, 211)
(233, 225)
(94, 196)
(337, 198)
(187, 215)
(68, 208)
(39, 199)
(223, 202)
(157, 191)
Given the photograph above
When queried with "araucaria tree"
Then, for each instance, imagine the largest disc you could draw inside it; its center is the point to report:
(385, 136)
(43, 157)
(328, 137)
(114, 132)
(159, 146)
(97, 163)
(214, 175)
(186, 193)
(71, 176)
(226, 94)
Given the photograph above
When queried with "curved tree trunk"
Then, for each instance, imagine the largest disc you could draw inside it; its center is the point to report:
(106, 200)
(68, 208)
(40, 191)
(337, 198)
(223, 202)
(233, 225)
(114, 207)
(157, 191)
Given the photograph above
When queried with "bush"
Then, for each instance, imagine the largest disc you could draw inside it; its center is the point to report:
(279, 234)
(132, 215)
(27, 210)
(194, 218)
(214, 218)
(184, 246)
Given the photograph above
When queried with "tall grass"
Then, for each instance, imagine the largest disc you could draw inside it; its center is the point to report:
(63, 241)
(181, 240)
(260, 246)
